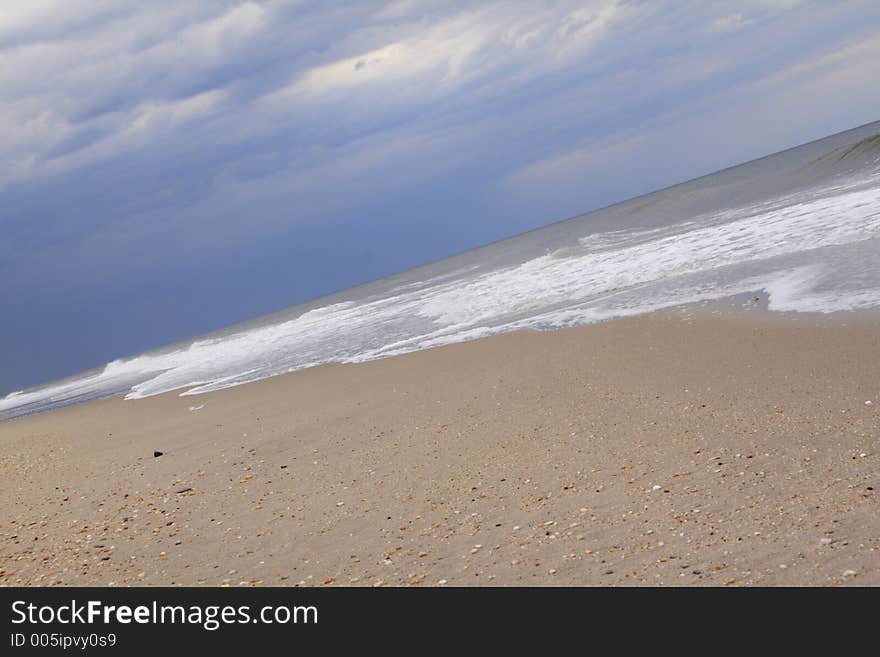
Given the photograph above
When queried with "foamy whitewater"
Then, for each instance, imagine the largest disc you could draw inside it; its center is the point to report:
(802, 226)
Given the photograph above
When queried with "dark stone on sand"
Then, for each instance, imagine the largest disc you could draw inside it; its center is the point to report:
(157, 454)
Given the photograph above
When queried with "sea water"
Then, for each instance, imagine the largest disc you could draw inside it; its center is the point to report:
(801, 226)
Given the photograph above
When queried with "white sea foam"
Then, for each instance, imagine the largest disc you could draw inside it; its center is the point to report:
(816, 251)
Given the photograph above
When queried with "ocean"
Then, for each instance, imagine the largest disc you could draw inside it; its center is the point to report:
(801, 227)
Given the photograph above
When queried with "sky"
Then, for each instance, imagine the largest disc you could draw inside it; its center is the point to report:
(167, 167)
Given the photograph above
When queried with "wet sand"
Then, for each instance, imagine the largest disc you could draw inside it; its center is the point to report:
(680, 448)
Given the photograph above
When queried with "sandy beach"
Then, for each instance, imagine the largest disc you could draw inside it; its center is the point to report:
(679, 448)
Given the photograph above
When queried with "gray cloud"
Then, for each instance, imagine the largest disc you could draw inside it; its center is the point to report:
(142, 138)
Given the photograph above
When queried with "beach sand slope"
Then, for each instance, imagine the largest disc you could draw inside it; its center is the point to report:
(680, 448)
